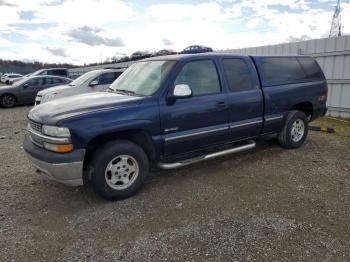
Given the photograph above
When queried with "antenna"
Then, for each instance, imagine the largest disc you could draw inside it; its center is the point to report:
(336, 22)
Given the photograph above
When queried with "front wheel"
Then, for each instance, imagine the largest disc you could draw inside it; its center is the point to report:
(294, 131)
(8, 101)
(119, 169)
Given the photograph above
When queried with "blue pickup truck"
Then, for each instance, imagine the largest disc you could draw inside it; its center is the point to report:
(173, 111)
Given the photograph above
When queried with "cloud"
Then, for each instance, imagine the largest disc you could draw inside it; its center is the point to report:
(57, 51)
(166, 41)
(92, 30)
(88, 35)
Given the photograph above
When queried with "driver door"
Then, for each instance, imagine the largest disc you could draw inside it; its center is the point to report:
(198, 122)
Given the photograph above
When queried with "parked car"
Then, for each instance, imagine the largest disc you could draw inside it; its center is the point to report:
(139, 55)
(2, 78)
(13, 80)
(164, 52)
(63, 72)
(8, 77)
(173, 111)
(196, 49)
(24, 91)
(93, 81)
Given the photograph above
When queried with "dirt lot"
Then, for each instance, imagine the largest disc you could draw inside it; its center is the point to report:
(267, 204)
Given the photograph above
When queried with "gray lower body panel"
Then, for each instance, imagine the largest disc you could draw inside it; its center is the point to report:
(70, 174)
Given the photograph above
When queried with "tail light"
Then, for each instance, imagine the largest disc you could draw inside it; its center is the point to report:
(323, 98)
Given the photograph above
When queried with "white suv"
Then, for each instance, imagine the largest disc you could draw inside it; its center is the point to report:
(93, 81)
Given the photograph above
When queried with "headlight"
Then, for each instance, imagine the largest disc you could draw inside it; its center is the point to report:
(46, 98)
(55, 131)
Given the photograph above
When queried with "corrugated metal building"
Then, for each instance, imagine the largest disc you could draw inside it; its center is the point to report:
(333, 55)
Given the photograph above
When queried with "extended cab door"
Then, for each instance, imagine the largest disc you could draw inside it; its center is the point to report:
(245, 98)
(200, 121)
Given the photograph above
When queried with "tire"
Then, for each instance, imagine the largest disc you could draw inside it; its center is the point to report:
(295, 130)
(7, 82)
(8, 101)
(116, 163)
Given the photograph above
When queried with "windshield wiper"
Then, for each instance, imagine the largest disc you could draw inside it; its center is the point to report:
(127, 92)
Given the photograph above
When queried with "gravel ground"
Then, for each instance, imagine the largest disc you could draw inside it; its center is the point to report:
(267, 204)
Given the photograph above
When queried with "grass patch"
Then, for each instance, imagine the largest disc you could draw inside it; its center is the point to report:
(341, 128)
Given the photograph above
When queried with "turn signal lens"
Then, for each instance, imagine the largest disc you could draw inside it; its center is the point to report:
(59, 148)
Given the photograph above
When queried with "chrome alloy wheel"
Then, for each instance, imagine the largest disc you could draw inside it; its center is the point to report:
(298, 129)
(121, 172)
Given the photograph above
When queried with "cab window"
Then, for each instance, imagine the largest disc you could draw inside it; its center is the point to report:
(201, 76)
(237, 74)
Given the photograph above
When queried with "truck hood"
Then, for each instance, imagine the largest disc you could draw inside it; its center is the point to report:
(63, 108)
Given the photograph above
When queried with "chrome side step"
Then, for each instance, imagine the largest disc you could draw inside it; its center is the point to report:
(250, 144)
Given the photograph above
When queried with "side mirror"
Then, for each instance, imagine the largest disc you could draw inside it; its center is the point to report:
(93, 83)
(26, 85)
(182, 91)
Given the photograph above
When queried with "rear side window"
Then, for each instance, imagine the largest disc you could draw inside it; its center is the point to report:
(282, 70)
(201, 76)
(53, 81)
(36, 82)
(237, 74)
(107, 78)
(310, 68)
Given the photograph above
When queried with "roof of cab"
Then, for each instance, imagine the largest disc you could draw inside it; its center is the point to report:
(211, 54)
(185, 56)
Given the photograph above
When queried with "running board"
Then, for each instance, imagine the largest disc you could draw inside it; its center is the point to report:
(186, 162)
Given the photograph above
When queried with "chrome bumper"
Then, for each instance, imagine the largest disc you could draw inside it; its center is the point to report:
(70, 174)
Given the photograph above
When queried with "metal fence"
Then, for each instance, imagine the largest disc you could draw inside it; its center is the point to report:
(333, 55)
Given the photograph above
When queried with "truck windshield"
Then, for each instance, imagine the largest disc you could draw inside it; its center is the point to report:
(142, 78)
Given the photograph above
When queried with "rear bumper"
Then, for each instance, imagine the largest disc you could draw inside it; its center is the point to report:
(64, 168)
(319, 111)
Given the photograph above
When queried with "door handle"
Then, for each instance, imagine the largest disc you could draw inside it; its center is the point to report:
(220, 104)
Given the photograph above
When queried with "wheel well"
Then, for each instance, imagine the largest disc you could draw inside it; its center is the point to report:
(305, 107)
(139, 137)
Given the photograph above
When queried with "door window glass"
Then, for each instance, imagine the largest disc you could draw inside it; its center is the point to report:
(201, 76)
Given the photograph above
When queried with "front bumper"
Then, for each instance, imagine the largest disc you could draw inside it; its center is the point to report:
(64, 168)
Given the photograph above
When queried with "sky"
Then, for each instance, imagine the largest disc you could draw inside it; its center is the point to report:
(86, 31)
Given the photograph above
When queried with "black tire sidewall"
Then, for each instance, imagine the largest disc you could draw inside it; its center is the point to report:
(289, 141)
(6, 106)
(101, 159)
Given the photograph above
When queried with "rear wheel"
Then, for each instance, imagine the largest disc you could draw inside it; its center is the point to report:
(119, 169)
(294, 131)
(8, 101)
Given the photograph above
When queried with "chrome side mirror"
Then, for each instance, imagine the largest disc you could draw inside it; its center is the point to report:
(182, 91)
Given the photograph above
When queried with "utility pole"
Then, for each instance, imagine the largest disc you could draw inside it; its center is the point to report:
(336, 22)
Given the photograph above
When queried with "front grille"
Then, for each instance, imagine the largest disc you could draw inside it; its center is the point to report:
(35, 126)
